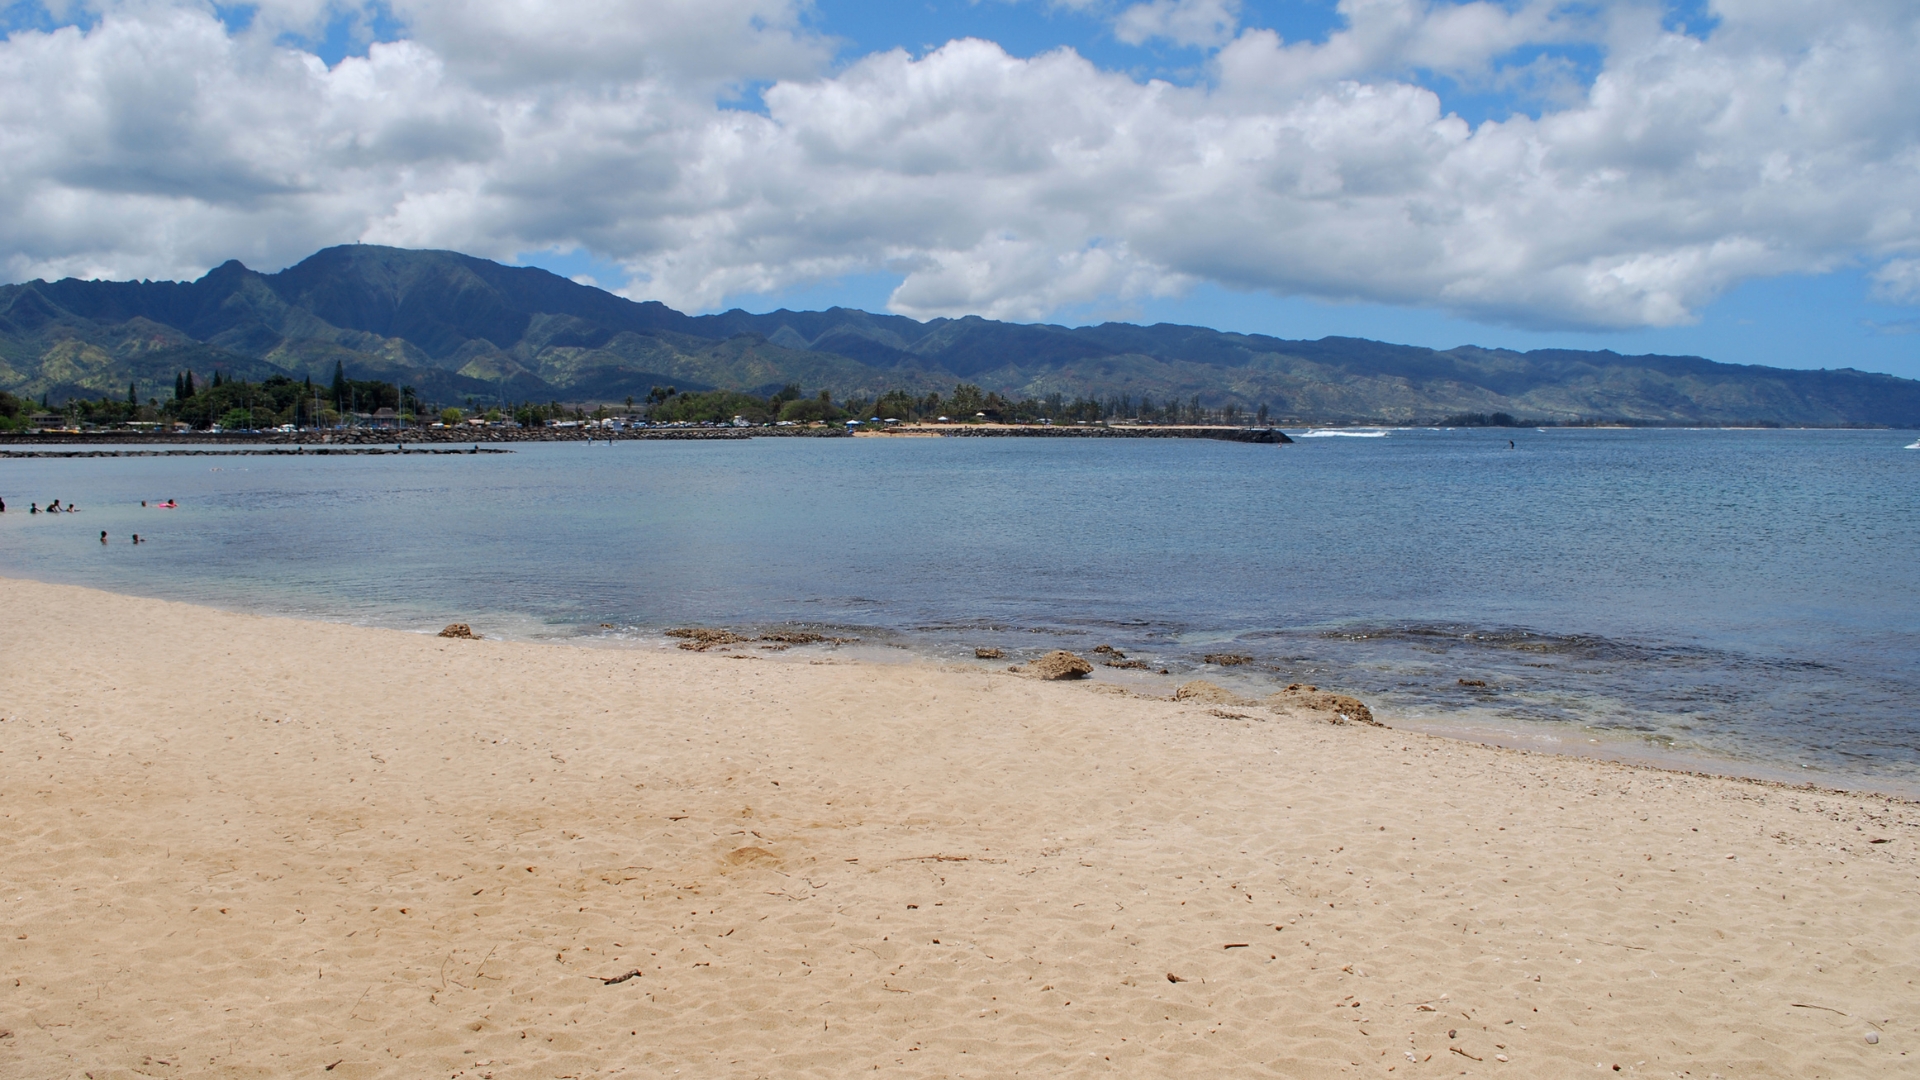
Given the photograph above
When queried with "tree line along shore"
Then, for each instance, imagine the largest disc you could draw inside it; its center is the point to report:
(286, 411)
(351, 408)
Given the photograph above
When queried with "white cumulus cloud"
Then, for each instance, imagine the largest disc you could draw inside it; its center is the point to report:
(1183, 22)
(1898, 282)
(1395, 37)
(159, 142)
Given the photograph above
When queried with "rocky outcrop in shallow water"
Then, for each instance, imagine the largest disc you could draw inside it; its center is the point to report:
(700, 638)
(1058, 664)
(1208, 693)
(1300, 698)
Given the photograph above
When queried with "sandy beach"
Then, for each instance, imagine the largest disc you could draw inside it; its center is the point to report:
(245, 846)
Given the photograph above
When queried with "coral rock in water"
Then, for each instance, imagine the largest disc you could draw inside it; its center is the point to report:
(1203, 691)
(1060, 664)
(1334, 708)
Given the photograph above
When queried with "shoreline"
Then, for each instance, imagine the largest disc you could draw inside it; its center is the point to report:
(482, 436)
(1273, 433)
(1486, 730)
(254, 843)
(1475, 728)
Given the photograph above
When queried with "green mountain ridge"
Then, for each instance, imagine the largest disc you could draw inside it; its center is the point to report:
(457, 327)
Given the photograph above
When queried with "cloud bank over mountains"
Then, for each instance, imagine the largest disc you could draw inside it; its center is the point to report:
(155, 140)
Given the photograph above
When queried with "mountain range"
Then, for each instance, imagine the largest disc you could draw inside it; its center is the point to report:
(457, 327)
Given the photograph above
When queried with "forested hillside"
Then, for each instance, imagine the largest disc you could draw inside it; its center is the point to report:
(457, 328)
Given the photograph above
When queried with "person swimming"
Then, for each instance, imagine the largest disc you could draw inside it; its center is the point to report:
(33, 508)
(103, 536)
(137, 540)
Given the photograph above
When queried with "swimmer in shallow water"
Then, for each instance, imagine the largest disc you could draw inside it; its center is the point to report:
(103, 536)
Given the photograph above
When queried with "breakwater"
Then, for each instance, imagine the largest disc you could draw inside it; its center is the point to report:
(298, 451)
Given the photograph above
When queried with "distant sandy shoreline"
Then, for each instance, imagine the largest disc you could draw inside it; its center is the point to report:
(482, 436)
(237, 844)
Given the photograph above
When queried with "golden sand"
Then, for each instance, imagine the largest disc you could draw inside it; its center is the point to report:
(242, 846)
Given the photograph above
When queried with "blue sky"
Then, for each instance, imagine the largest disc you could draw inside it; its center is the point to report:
(1437, 172)
(1794, 320)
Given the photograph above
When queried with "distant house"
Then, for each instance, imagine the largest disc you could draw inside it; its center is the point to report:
(47, 421)
(386, 418)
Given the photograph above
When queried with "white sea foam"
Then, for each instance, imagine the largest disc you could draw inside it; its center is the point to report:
(1915, 445)
(1343, 434)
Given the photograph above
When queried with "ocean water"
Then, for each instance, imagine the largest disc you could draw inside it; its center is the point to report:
(1749, 600)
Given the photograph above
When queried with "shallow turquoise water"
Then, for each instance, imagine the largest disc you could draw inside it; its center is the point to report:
(1750, 594)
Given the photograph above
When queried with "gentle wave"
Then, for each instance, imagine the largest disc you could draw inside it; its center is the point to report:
(1342, 435)
(1915, 445)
